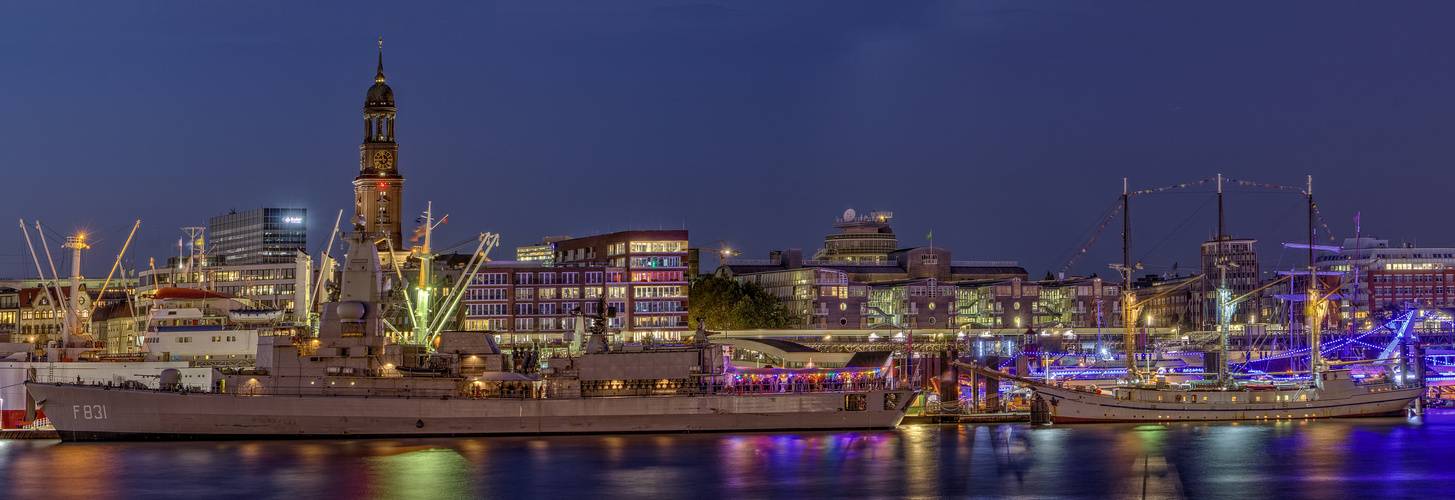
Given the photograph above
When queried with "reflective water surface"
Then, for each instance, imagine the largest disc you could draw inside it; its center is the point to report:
(1369, 458)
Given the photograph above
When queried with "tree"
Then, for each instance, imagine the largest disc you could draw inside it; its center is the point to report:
(726, 304)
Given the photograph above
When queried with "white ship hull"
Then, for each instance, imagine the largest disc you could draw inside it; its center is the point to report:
(84, 413)
(1070, 406)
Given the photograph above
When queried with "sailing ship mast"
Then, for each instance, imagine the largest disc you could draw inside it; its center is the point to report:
(1129, 315)
(1223, 293)
(1311, 305)
(1126, 284)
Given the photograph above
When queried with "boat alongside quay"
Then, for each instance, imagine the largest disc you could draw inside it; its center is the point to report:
(1333, 394)
(1146, 395)
(350, 381)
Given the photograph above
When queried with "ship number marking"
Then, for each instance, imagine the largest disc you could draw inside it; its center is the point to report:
(88, 412)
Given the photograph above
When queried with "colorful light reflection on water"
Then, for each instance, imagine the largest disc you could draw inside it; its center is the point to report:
(1376, 458)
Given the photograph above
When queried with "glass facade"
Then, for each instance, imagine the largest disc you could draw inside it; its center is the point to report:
(261, 236)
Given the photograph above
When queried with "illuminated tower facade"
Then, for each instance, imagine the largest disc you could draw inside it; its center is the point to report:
(378, 190)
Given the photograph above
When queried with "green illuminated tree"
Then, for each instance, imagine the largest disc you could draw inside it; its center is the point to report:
(725, 304)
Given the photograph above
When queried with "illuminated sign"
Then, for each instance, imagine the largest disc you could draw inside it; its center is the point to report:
(293, 220)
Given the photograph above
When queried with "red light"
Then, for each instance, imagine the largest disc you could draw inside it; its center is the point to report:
(381, 186)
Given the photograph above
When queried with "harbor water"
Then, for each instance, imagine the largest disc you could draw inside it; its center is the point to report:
(1352, 458)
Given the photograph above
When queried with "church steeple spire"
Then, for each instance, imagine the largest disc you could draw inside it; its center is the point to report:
(379, 78)
(379, 187)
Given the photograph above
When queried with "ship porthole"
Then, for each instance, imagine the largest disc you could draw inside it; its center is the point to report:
(419, 424)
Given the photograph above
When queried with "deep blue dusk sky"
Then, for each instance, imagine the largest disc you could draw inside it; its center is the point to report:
(1004, 127)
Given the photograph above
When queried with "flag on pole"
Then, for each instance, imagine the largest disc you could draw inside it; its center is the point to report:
(418, 233)
(444, 220)
(930, 236)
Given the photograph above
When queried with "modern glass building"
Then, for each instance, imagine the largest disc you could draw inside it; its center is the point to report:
(261, 236)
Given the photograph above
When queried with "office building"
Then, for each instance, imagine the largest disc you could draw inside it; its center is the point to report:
(543, 252)
(259, 236)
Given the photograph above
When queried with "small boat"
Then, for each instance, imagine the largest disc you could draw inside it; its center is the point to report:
(255, 315)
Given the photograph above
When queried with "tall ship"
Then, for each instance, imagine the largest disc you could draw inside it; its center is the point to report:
(1331, 390)
(352, 381)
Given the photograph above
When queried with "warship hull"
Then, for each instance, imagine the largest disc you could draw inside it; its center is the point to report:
(91, 413)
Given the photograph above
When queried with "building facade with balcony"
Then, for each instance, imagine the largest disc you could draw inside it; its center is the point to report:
(642, 274)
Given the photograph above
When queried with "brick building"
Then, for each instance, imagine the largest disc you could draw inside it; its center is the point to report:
(640, 273)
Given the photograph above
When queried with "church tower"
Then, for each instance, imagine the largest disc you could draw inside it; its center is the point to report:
(378, 190)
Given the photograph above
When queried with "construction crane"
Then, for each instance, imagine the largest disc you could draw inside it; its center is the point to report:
(722, 251)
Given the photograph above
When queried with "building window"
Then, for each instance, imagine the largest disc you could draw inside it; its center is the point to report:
(488, 279)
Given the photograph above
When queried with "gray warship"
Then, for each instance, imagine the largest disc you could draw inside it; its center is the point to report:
(351, 382)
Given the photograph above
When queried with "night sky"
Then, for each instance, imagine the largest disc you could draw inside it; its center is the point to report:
(1004, 127)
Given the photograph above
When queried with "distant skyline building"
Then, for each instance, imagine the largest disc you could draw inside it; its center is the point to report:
(259, 236)
(864, 238)
(543, 252)
(379, 189)
(1243, 276)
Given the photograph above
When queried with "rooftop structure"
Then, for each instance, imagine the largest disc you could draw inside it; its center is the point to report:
(864, 238)
(543, 252)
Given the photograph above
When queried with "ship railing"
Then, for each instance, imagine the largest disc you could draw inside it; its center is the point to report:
(357, 392)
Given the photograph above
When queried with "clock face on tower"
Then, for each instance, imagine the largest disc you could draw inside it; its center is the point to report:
(383, 160)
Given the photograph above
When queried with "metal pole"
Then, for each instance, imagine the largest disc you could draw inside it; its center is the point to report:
(1311, 314)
